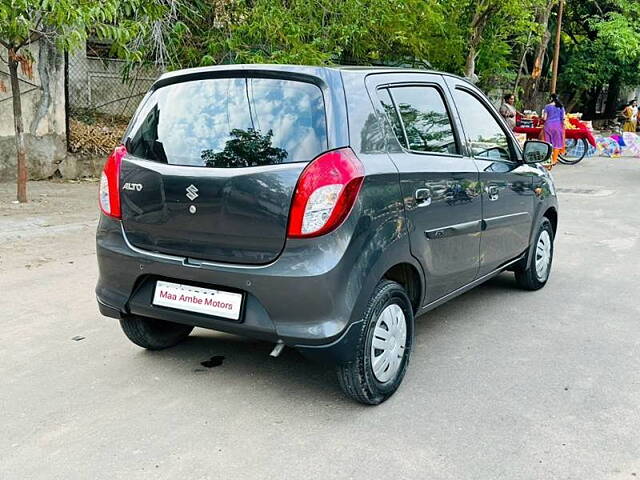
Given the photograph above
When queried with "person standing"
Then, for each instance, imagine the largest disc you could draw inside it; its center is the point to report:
(553, 116)
(631, 117)
(508, 110)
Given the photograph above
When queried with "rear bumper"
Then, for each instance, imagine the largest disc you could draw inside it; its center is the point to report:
(306, 299)
(338, 351)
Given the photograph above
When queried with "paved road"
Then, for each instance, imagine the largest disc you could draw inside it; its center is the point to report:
(503, 384)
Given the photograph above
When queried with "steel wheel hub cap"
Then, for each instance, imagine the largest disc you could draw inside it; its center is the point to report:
(543, 256)
(388, 344)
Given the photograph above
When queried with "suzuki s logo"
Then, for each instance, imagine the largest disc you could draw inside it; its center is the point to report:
(192, 192)
(137, 187)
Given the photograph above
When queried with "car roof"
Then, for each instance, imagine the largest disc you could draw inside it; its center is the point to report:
(318, 71)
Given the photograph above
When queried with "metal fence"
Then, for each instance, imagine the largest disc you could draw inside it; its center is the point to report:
(100, 101)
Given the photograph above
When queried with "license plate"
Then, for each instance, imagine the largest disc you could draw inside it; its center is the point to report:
(196, 299)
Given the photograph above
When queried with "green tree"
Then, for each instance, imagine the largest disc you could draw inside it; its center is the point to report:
(483, 35)
(539, 44)
(247, 148)
(317, 33)
(601, 51)
(446, 34)
(65, 23)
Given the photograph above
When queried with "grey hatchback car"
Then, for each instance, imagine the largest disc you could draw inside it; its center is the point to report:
(317, 208)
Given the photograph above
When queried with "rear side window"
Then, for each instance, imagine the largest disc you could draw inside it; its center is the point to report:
(231, 122)
(426, 121)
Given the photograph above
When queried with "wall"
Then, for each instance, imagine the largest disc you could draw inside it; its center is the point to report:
(43, 108)
(628, 94)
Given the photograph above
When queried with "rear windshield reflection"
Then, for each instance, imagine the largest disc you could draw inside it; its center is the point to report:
(231, 123)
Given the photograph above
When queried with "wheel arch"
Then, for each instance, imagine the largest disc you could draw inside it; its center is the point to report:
(552, 215)
(408, 276)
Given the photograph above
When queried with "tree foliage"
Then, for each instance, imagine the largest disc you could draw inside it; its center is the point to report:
(315, 32)
(434, 33)
(65, 24)
(602, 46)
(246, 148)
(500, 43)
(68, 22)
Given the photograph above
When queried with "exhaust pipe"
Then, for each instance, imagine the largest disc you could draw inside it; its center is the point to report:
(277, 350)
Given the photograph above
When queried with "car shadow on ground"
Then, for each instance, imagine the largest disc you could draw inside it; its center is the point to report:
(230, 357)
(495, 290)
(208, 355)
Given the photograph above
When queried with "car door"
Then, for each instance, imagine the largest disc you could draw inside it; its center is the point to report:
(507, 193)
(440, 186)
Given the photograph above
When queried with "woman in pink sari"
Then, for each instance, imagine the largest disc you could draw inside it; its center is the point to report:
(553, 116)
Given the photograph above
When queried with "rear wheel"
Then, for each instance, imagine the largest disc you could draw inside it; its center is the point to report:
(154, 334)
(576, 150)
(384, 347)
(534, 274)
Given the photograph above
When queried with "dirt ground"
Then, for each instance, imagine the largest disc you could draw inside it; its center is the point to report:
(57, 224)
(503, 384)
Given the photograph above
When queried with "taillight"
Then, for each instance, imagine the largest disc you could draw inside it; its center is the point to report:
(325, 194)
(110, 183)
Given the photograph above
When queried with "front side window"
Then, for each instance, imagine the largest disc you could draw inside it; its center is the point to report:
(231, 122)
(485, 136)
(425, 118)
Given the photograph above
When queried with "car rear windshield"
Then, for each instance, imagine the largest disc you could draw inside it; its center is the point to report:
(230, 123)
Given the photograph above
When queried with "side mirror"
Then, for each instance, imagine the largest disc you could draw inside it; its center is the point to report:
(536, 151)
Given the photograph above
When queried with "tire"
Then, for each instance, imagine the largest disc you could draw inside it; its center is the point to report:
(573, 160)
(154, 334)
(357, 378)
(530, 276)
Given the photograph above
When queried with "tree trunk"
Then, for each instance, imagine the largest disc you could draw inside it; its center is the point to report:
(541, 50)
(556, 51)
(611, 105)
(592, 102)
(470, 67)
(21, 150)
(523, 59)
(478, 23)
(573, 101)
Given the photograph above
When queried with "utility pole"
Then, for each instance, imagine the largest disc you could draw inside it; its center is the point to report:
(556, 53)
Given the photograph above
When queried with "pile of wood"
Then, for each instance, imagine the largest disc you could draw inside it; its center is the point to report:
(97, 138)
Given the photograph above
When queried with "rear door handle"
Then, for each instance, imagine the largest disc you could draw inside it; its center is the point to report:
(493, 193)
(423, 197)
